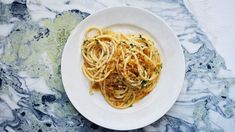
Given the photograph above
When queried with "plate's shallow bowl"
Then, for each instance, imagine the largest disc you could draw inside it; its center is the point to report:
(150, 108)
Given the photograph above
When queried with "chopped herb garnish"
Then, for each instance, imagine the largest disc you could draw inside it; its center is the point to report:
(85, 41)
(156, 71)
(105, 53)
(146, 44)
(143, 73)
(144, 82)
(142, 37)
(148, 70)
(131, 45)
(85, 51)
(122, 42)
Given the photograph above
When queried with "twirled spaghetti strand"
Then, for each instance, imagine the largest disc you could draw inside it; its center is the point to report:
(124, 68)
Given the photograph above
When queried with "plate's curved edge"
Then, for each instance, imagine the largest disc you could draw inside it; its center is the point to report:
(181, 54)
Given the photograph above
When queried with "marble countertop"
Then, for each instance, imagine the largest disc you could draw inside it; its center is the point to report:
(217, 19)
(32, 98)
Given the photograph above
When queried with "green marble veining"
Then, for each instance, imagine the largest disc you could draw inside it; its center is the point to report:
(36, 48)
(32, 97)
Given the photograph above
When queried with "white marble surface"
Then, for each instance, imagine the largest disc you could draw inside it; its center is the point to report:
(217, 18)
(32, 97)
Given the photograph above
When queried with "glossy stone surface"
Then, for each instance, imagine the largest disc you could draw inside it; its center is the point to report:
(32, 98)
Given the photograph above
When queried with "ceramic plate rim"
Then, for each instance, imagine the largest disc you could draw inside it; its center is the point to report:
(106, 124)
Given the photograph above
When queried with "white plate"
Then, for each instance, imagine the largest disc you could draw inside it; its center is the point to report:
(150, 108)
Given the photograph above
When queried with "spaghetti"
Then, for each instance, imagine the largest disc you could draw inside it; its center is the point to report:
(123, 67)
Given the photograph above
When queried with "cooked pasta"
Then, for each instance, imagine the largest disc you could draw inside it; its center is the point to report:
(123, 67)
